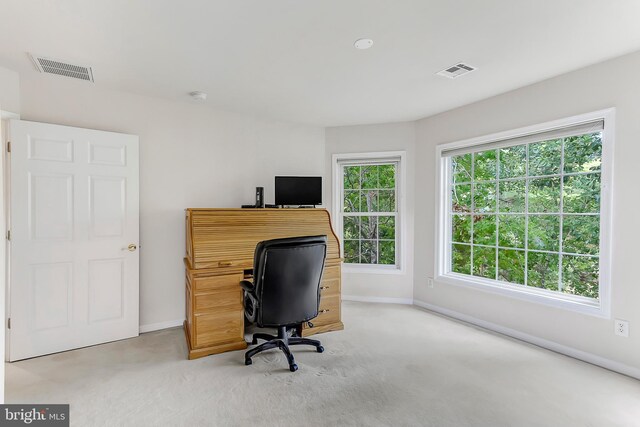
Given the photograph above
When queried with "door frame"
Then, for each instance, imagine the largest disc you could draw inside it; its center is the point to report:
(4, 248)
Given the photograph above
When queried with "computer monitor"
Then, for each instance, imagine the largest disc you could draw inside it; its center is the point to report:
(298, 190)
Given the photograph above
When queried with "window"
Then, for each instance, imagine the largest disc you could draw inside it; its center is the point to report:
(526, 213)
(367, 210)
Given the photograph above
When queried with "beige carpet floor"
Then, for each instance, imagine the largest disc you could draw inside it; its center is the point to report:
(392, 366)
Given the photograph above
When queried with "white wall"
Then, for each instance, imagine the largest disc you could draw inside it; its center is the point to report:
(9, 90)
(611, 84)
(190, 156)
(374, 138)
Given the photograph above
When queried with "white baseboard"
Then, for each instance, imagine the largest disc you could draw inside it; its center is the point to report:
(162, 325)
(384, 300)
(612, 365)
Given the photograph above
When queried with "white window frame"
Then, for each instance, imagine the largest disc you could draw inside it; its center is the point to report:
(600, 308)
(338, 162)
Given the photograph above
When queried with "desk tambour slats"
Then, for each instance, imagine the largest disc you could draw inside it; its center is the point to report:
(219, 248)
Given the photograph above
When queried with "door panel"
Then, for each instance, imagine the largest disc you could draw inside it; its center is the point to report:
(50, 208)
(106, 289)
(108, 206)
(74, 210)
(51, 291)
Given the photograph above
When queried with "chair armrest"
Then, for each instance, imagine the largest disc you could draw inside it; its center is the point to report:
(247, 285)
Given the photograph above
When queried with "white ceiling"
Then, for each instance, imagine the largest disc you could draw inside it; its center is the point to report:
(294, 59)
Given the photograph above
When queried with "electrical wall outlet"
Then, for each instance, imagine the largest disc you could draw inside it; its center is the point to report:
(621, 328)
(430, 282)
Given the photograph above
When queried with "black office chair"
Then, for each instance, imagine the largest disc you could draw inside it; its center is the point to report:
(285, 292)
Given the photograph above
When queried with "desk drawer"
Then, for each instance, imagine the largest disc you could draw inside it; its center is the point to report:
(330, 287)
(218, 328)
(226, 298)
(211, 283)
(329, 310)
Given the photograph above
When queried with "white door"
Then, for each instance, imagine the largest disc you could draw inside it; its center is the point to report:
(74, 233)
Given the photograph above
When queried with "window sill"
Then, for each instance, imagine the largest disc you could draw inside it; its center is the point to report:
(574, 303)
(371, 269)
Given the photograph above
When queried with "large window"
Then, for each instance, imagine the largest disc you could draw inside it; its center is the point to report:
(368, 210)
(525, 212)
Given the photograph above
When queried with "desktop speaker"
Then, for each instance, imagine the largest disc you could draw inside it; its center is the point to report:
(259, 197)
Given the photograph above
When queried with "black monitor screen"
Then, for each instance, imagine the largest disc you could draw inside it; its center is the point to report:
(298, 190)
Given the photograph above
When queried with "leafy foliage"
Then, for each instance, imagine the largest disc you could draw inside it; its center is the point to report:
(369, 239)
(529, 214)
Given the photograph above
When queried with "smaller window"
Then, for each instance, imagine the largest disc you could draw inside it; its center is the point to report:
(367, 211)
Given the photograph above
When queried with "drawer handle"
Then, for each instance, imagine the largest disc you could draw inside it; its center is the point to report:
(324, 311)
(324, 287)
(225, 263)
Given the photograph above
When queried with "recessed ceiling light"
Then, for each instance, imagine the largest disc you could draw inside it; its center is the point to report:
(363, 43)
(198, 96)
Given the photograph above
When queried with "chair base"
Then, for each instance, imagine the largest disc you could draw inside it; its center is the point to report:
(282, 341)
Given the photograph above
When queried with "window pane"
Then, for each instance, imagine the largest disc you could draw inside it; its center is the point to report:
(387, 201)
(461, 259)
(512, 196)
(461, 228)
(511, 266)
(368, 238)
(461, 166)
(369, 201)
(387, 176)
(369, 176)
(352, 251)
(387, 227)
(508, 211)
(485, 165)
(544, 157)
(368, 252)
(542, 270)
(581, 234)
(583, 153)
(484, 262)
(369, 227)
(484, 197)
(351, 227)
(580, 275)
(461, 198)
(387, 254)
(513, 161)
(511, 231)
(544, 232)
(544, 195)
(484, 230)
(351, 201)
(582, 193)
(352, 177)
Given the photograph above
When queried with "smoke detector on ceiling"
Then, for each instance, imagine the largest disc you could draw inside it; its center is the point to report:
(457, 70)
(363, 44)
(62, 68)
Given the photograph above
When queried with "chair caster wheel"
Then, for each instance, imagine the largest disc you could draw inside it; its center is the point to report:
(320, 349)
(293, 367)
(247, 362)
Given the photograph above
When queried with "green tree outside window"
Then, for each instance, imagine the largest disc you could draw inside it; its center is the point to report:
(529, 214)
(369, 214)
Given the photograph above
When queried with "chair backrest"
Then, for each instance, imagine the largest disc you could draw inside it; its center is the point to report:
(287, 274)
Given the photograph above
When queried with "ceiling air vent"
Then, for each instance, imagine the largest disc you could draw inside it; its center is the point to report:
(52, 66)
(457, 70)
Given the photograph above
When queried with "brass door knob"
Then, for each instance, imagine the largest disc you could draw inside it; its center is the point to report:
(131, 248)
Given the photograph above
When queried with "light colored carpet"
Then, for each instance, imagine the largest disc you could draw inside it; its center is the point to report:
(392, 365)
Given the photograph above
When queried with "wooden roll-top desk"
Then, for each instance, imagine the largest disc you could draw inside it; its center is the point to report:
(220, 247)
